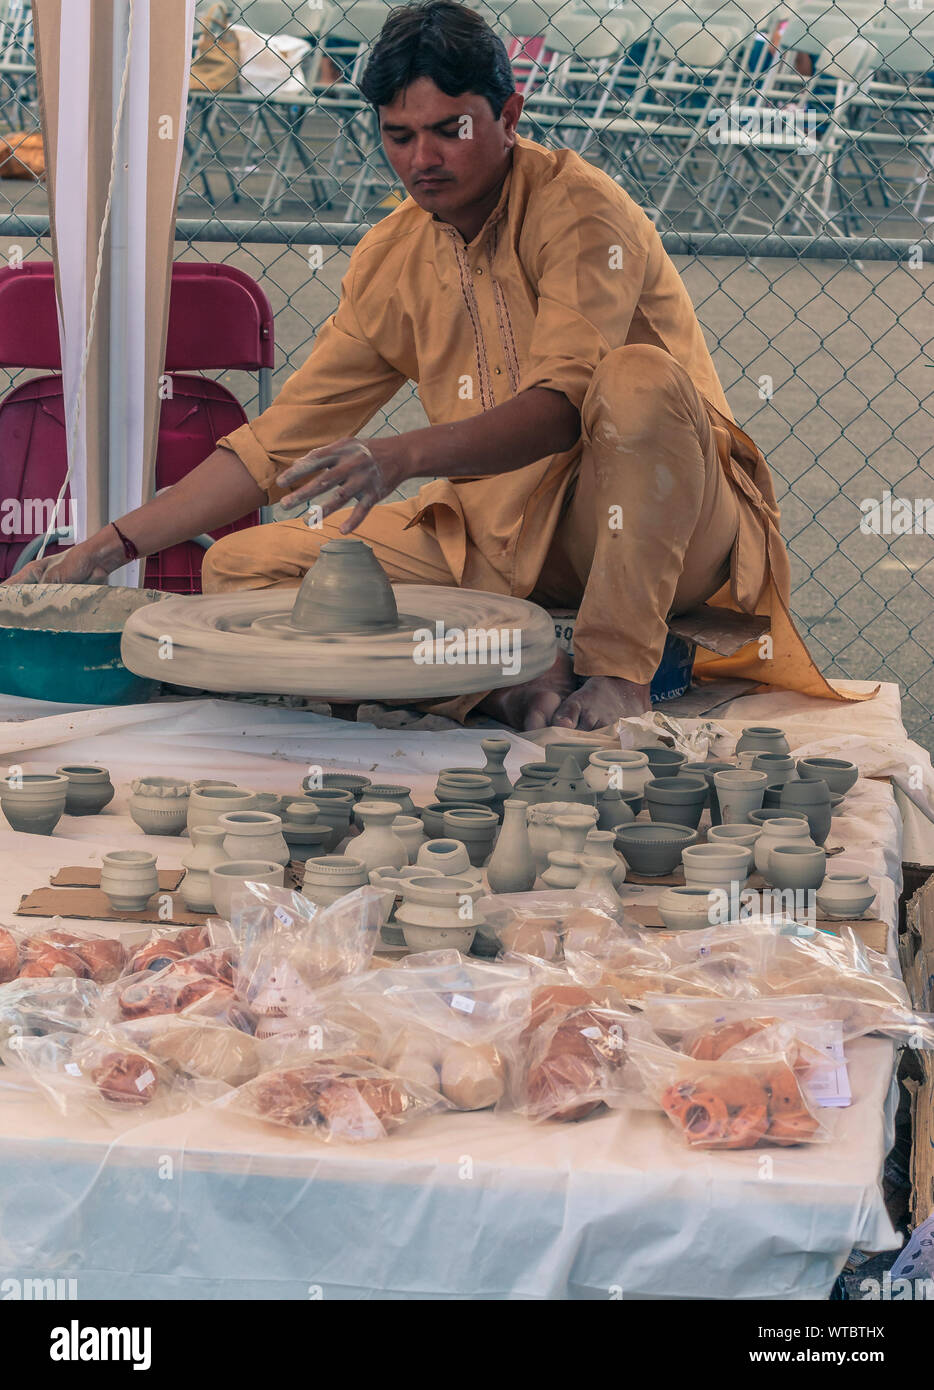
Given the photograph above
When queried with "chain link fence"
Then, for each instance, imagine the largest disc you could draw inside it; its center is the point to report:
(785, 152)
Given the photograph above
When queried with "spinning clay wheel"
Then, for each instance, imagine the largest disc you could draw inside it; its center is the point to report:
(344, 637)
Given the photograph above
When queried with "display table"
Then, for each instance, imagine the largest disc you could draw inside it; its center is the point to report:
(210, 1205)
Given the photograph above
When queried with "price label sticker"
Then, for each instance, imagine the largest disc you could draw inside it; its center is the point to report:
(461, 1002)
(72, 1069)
(145, 1079)
(282, 916)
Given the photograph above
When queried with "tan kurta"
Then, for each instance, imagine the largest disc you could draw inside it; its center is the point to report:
(566, 268)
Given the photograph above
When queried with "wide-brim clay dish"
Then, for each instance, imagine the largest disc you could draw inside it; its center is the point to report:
(229, 879)
(654, 849)
(839, 774)
(686, 909)
(89, 789)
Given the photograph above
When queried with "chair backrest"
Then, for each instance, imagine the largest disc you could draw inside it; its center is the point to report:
(905, 52)
(218, 317)
(585, 37)
(359, 20)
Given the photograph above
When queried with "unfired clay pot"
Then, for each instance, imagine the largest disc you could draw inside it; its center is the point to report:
(209, 802)
(512, 864)
(663, 762)
(346, 590)
(378, 844)
(34, 802)
(573, 829)
(128, 877)
(679, 800)
(653, 849)
(159, 805)
(597, 877)
(544, 834)
(739, 792)
(331, 876)
(411, 832)
(617, 808)
(385, 791)
(475, 827)
(845, 895)
(799, 867)
(685, 909)
(465, 789)
(779, 766)
(335, 806)
(89, 789)
(564, 870)
(448, 857)
(813, 798)
(839, 775)
(438, 913)
(762, 738)
(740, 834)
(343, 781)
(496, 751)
(780, 830)
(600, 845)
(254, 835)
(207, 851)
(623, 769)
(229, 879)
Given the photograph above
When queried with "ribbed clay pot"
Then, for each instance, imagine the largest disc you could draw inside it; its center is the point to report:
(386, 791)
(89, 789)
(159, 805)
(34, 802)
(330, 876)
(353, 782)
(679, 800)
(654, 849)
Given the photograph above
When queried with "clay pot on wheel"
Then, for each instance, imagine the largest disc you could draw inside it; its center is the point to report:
(34, 802)
(89, 789)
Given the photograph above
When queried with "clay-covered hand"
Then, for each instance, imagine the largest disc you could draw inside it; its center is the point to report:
(78, 565)
(367, 470)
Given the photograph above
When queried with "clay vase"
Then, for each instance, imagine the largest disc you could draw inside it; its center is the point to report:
(512, 864)
(448, 857)
(475, 827)
(411, 832)
(215, 799)
(305, 835)
(813, 798)
(708, 770)
(677, 800)
(227, 880)
(599, 845)
(34, 802)
(569, 785)
(335, 806)
(159, 805)
(845, 895)
(331, 876)
(779, 766)
(762, 738)
(385, 791)
(378, 845)
(663, 762)
(780, 830)
(624, 770)
(465, 789)
(254, 835)
(207, 851)
(496, 750)
(346, 590)
(573, 830)
(544, 834)
(128, 877)
(617, 808)
(89, 789)
(563, 872)
(739, 792)
(438, 913)
(839, 775)
(798, 867)
(597, 877)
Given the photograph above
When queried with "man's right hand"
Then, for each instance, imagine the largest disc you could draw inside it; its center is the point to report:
(80, 564)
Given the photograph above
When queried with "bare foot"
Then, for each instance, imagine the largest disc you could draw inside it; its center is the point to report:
(601, 700)
(532, 705)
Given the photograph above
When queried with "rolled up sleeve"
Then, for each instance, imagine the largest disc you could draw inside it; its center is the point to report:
(339, 387)
(590, 266)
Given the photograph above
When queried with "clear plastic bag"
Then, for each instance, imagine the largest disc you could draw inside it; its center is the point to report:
(196, 986)
(752, 1100)
(33, 1008)
(57, 952)
(571, 1056)
(166, 947)
(342, 1100)
(538, 923)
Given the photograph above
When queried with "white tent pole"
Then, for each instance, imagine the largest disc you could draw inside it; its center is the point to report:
(117, 469)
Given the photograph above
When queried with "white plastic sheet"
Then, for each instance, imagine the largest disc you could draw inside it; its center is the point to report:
(461, 1205)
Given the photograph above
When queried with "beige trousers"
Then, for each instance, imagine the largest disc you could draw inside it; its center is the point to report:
(647, 529)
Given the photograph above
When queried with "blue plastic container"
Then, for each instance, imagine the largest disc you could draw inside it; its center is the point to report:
(674, 672)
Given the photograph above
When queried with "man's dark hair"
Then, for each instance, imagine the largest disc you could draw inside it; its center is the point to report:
(445, 41)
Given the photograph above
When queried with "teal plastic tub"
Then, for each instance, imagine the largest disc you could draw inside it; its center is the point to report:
(61, 642)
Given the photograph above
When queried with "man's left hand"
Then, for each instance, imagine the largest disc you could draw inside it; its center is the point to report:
(367, 470)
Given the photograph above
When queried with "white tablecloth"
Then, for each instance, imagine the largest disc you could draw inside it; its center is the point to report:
(463, 1206)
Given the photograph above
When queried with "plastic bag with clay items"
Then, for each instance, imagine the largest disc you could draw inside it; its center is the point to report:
(198, 986)
(103, 1074)
(58, 952)
(166, 946)
(33, 1008)
(570, 1058)
(449, 1022)
(747, 1100)
(537, 924)
(630, 961)
(194, 1047)
(345, 1100)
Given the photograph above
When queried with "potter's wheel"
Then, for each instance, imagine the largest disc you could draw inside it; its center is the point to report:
(324, 647)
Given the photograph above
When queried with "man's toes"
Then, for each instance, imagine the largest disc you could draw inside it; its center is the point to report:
(540, 710)
(568, 713)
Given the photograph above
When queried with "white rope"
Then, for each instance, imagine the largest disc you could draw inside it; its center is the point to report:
(92, 312)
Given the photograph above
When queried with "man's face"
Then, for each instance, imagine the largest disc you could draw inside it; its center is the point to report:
(449, 152)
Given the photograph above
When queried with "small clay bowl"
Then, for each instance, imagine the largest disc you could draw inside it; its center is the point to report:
(663, 762)
(740, 834)
(653, 848)
(767, 813)
(839, 775)
(685, 909)
(433, 817)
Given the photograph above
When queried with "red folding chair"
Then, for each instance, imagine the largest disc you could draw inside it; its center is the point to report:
(219, 318)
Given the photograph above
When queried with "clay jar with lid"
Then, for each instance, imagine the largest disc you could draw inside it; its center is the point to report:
(159, 805)
(330, 876)
(34, 802)
(254, 835)
(438, 913)
(89, 789)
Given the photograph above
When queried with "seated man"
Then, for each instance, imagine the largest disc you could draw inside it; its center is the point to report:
(580, 444)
